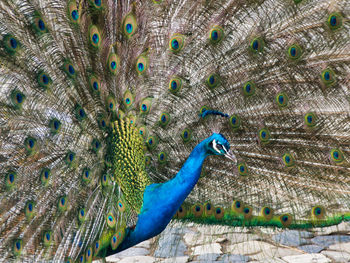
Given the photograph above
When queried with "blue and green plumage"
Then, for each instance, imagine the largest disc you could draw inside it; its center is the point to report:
(108, 110)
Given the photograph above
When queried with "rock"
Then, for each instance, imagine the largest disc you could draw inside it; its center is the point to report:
(133, 251)
(274, 253)
(144, 244)
(170, 246)
(341, 247)
(137, 259)
(330, 240)
(292, 237)
(208, 257)
(311, 248)
(205, 249)
(343, 227)
(249, 247)
(228, 258)
(175, 260)
(337, 255)
(307, 258)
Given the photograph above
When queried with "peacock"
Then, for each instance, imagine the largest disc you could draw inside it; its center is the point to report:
(117, 117)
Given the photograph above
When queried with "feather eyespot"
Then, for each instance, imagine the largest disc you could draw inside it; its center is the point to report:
(176, 43)
(334, 21)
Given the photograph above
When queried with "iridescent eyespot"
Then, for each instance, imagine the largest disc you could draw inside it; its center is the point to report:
(129, 25)
(69, 69)
(328, 77)
(47, 238)
(247, 212)
(82, 258)
(141, 64)
(11, 44)
(29, 210)
(39, 25)
(145, 105)
(318, 212)
(95, 84)
(181, 212)
(80, 113)
(282, 99)
(86, 175)
(164, 119)
(17, 247)
(294, 52)
(264, 135)
(249, 88)
(237, 206)
(128, 99)
(197, 210)
(267, 212)
(162, 157)
(121, 206)
(186, 135)
(44, 81)
(70, 157)
(95, 37)
(334, 21)
(175, 85)
(104, 180)
(148, 161)
(242, 169)
(257, 45)
(45, 176)
(337, 156)
(97, 4)
(131, 119)
(288, 160)
(62, 203)
(73, 12)
(286, 220)
(176, 43)
(17, 99)
(151, 142)
(213, 81)
(110, 220)
(143, 131)
(219, 212)
(235, 121)
(121, 114)
(209, 209)
(102, 122)
(216, 34)
(95, 145)
(81, 215)
(10, 179)
(88, 254)
(310, 119)
(203, 109)
(55, 126)
(113, 63)
(30, 144)
(117, 238)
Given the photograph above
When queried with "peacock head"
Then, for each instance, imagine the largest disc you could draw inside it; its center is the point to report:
(217, 144)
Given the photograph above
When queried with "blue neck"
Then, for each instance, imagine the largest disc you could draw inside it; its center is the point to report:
(161, 201)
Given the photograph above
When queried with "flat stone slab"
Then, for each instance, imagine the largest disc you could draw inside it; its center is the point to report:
(343, 227)
(307, 258)
(175, 260)
(208, 257)
(205, 249)
(326, 241)
(274, 253)
(228, 258)
(311, 248)
(133, 251)
(292, 237)
(341, 247)
(137, 259)
(337, 255)
(250, 247)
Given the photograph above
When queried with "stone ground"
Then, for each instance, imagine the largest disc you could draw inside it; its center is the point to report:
(197, 243)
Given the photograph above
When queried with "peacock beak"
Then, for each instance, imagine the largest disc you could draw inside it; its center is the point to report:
(230, 155)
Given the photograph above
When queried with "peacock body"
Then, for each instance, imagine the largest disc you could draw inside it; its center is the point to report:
(116, 117)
